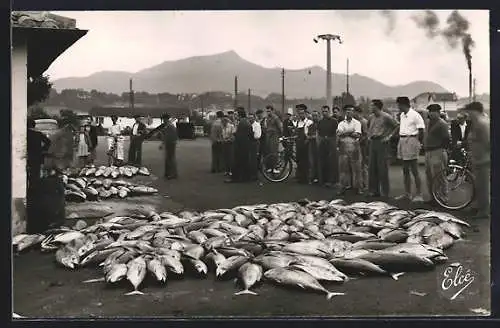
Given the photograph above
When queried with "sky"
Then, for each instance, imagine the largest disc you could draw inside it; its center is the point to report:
(134, 40)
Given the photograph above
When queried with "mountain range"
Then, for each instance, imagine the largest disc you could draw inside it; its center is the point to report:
(216, 73)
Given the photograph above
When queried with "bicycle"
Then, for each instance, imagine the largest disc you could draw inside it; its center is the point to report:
(455, 177)
(284, 159)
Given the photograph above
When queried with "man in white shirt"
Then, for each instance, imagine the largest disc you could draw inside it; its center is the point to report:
(254, 148)
(411, 136)
(302, 149)
(348, 135)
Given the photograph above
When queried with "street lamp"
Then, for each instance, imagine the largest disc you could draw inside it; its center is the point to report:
(328, 38)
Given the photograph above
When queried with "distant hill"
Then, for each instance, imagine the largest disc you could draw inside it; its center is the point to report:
(216, 73)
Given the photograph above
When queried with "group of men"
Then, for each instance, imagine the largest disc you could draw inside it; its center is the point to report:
(351, 151)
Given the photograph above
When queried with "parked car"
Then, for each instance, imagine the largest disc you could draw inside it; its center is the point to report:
(47, 126)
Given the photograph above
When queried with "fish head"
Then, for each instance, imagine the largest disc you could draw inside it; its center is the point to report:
(201, 267)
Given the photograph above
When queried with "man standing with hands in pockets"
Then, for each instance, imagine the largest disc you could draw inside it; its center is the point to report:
(136, 139)
(381, 127)
(411, 137)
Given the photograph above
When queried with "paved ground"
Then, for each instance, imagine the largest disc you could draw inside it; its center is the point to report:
(43, 290)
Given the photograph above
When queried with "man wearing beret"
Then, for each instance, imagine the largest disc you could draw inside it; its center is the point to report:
(437, 141)
(411, 137)
(480, 152)
(243, 138)
(302, 129)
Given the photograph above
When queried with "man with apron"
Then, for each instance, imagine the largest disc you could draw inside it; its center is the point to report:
(301, 129)
(348, 134)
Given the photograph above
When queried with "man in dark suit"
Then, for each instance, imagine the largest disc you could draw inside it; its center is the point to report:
(136, 139)
(37, 144)
(169, 131)
(460, 129)
(242, 146)
(93, 140)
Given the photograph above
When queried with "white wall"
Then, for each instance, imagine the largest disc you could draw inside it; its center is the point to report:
(127, 121)
(18, 137)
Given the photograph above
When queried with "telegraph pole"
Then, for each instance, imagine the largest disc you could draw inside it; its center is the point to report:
(347, 77)
(131, 94)
(328, 38)
(283, 90)
(235, 92)
(249, 95)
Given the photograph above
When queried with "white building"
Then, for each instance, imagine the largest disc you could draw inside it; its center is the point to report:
(447, 101)
(38, 38)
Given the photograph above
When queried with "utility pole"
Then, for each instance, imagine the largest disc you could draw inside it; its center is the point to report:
(283, 90)
(347, 77)
(328, 38)
(249, 100)
(202, 109)
(235, 92)
(131, 95)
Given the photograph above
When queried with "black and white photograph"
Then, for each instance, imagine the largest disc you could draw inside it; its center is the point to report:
(265, 163)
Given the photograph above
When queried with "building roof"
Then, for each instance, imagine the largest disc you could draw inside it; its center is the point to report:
(439, 96)
(142, 111)
(47, 35)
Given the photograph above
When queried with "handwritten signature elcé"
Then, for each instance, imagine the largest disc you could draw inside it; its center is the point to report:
(455, 276)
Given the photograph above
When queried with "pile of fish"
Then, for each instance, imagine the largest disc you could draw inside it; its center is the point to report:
(303, 244)
(91, 189)
(114, 172)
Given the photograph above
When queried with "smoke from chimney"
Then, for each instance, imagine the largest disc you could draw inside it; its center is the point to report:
(454, 33)
(391, 20)
(429, 21)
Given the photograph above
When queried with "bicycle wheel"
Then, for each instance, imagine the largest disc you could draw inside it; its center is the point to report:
(276, 168)
(453, 189)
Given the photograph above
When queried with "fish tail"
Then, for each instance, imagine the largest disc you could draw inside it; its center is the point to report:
(330, 295)
(396, 276)
(135, 292)
(247, 292)
(93, 280)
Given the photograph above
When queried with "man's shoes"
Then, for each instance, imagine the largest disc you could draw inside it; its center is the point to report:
(418, 199)
(373, 194)
(402, 197)
(328, 185)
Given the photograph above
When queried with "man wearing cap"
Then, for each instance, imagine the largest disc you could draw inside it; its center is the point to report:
(460, 129)
(411, 136)
(242, 147)
(274, 130)
(348, 134)
(217, 140)
(136, 139)
(301, 130)
(169, 132)
(437, 141)
(380, 130)
(480, 152)
(328, 157)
